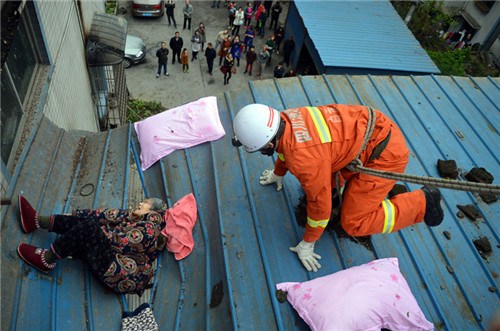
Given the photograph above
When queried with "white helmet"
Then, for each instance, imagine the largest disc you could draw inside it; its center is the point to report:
(255, 126)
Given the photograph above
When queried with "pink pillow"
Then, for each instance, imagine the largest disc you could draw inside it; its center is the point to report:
(181, 127)
(369, 297)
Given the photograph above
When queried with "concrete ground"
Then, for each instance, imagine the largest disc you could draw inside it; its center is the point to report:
(180, 88)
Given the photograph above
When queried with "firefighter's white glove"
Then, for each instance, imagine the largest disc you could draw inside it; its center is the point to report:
(306, 254)
(268, 177)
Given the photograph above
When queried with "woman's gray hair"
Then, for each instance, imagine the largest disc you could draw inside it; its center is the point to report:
(156, 204)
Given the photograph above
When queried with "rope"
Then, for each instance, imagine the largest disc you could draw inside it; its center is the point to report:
(370, 125)
(438, 182)
(357, 166)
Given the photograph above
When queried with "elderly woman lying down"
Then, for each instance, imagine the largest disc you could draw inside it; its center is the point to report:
(119, 246)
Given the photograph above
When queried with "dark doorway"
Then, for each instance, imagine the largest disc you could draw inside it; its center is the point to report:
(305, 64)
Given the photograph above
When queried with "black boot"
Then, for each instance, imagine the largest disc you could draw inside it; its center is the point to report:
(433, 211)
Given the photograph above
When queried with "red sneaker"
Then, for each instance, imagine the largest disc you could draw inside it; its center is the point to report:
(29, 216)
(35, 257)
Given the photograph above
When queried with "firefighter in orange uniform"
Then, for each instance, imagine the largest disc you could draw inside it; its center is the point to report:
(314, 143)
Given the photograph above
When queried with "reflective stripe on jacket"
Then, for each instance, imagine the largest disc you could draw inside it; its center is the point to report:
(316, 143)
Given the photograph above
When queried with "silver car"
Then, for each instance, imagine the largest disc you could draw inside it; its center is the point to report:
(148, 8)
(135, 51)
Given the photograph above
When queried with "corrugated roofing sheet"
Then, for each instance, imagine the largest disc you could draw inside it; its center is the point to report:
(363, 34)
(244, 230)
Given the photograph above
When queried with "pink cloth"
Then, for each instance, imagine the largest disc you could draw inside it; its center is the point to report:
(180, 221)
(181, 127)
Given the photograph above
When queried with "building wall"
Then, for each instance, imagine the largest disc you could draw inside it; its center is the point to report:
(487, 21)
(87, 9)
(295, 27)
(69, 103)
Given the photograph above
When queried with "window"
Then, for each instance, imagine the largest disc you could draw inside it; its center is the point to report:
(24, 54)
(12, 112)
(484, 6)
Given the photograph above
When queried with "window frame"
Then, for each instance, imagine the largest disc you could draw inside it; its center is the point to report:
(33, 33)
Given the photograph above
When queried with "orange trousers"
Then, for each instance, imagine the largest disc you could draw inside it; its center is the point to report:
(362, 211)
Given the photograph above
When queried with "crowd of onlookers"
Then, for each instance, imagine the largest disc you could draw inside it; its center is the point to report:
(234, 42)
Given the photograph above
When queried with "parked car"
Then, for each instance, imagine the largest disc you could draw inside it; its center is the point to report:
(135, 51)
(148, 8)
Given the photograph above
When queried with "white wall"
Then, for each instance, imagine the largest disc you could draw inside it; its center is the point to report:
(69, 103)
(88, 8)
(487, 21)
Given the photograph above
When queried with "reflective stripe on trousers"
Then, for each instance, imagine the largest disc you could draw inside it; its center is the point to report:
(390, 216)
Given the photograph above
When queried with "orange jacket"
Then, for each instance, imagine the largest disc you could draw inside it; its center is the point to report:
(185, 58)
(316, 143)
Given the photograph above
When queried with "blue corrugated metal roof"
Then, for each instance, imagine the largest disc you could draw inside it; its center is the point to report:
(363, 34)
(244, 230)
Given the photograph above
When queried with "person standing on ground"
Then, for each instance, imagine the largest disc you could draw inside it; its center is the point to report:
(221, 36)
(231, 12)
(185, 60)
(195, 45)
(318, 145)
(239, 17)
(210, 54)
(227, 68)
(261, 23)
(248, 14)
(202, 30)
(225, 48)
(262, 58)
(236, 49)
(188, 12)
(271, 45)
(176, 44)
(162, 55)
(279, 71)
(251, 56)
(169, 8)
(249, 35)
(276, 10)
(279, 34)
(257, 12)
(288, 48)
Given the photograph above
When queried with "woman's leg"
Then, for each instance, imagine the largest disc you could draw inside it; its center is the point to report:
(86, 241)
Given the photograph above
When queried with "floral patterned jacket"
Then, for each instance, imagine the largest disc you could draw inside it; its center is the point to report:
(136, 242)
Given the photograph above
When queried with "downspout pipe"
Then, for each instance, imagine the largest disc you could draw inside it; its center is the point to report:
(410, 12)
